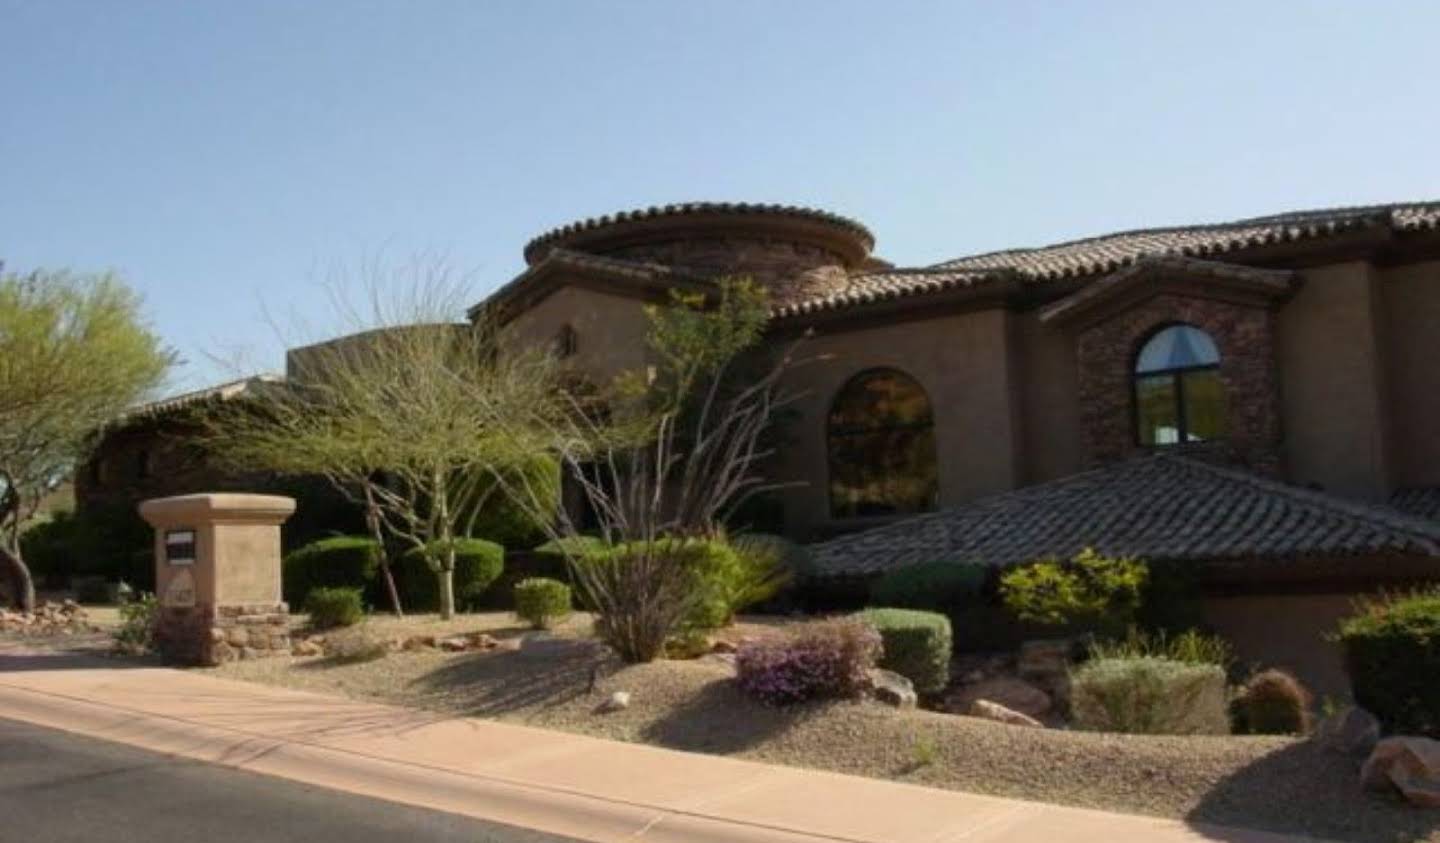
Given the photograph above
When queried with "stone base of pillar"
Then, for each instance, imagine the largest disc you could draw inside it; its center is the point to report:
(214, 635)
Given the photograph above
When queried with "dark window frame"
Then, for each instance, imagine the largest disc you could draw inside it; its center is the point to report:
(831, 435)
(1177, 385)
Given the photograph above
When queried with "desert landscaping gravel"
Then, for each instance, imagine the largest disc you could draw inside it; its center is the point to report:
(1274, 783)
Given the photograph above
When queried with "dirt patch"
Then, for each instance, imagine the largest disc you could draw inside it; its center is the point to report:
(557, 682)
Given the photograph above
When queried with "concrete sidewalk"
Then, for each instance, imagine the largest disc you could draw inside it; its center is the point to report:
(550, 781)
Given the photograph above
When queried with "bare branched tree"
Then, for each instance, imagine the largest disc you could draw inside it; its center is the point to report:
(660, 458)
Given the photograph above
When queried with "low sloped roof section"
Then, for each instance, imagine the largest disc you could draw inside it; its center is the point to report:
(1158, 507)
(226, 391)
(1109, 252)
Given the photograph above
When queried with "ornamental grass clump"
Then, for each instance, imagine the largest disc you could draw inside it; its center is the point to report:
(1150, 696)
(819, 660)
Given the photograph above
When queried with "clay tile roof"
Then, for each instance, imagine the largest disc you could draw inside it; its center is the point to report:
(873, 287)
(1112, 251)
(1423, 502)
(1160, 508)
(692, 208)
(219, 392)
(580, 261)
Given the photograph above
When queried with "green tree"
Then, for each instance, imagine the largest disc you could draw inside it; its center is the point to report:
(74, 354)
(398, 415)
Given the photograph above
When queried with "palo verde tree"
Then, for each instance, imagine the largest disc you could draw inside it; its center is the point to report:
(390, 416)
(74, 354)
(662, 456)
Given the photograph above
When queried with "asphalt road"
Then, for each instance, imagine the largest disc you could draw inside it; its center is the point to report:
(56, 787)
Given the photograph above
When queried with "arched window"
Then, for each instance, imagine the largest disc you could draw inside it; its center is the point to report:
(881, 438)
(1178, 395)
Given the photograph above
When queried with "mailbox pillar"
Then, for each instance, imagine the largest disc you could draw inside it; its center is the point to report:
(217, 576)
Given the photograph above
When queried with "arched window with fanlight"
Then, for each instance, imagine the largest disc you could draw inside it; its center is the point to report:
(1179, 397)
(881, 441)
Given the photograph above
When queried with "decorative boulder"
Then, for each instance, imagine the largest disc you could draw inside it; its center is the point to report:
(1014, 694)
(1001, 714)
(1350, 731)
(617, 701)
(891, 688)
(1407, 764)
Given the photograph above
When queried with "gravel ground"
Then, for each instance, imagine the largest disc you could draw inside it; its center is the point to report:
(1278, 784)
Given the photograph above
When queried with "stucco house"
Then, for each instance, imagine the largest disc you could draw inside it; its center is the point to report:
(1258, 398)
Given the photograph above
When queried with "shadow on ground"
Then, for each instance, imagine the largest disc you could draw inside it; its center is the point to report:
(720, 721)
(1306, 789)
(544, 673)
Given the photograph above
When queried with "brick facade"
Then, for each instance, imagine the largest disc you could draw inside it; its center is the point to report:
(1245, 337)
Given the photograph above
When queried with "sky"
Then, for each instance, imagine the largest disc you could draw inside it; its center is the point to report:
(230, 159)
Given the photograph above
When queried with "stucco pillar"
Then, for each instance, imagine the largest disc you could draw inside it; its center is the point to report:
(217, 576)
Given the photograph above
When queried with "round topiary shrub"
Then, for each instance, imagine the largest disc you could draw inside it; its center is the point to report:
(339, 562)
(333, 607)
(1274, 702)
(1392, 653)
(542, 602)
(916, 645)
(478, 563)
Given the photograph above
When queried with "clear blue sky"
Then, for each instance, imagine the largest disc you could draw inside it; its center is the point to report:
(221, 155)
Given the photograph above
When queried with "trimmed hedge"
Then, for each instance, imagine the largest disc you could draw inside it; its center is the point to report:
(719, 577)
(1149, 696)
(947, 587)
(478, 563)
(333, 607)
(339, 562)
(917, 645)
(1392, 653)
(542, 602)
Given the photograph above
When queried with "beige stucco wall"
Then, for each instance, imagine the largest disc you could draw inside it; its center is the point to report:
(610, 329)
(965, 363)
(1332, 382)
(1412, 311)
(1049, 400)
(1286, 631)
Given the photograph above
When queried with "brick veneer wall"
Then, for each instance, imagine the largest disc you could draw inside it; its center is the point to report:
(1245, 337)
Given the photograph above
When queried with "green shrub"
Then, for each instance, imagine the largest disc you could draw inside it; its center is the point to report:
(338, 562)
(947, 587)
(1149, 696)
(1171, 601)
(501, 520)
(542, 602)
(916, 645)
(768, 565)
(1189, 647)
(334, 606)
(1089, 591)
(718, 577)
(478, 563)
(554, 555)
(1392, 652)
(136, 634)
(1274, 702)
(109, 542)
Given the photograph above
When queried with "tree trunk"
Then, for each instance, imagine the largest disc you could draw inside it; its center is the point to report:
(372, 523)
(447, 593)
(21, 582)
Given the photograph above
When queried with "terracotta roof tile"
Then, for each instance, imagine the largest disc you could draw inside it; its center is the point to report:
(1161, 508)
(1111, 251)
(1423, 502)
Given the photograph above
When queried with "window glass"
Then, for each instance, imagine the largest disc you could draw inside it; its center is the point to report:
(1204, 405)
(882, 447)
(1179, 395)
